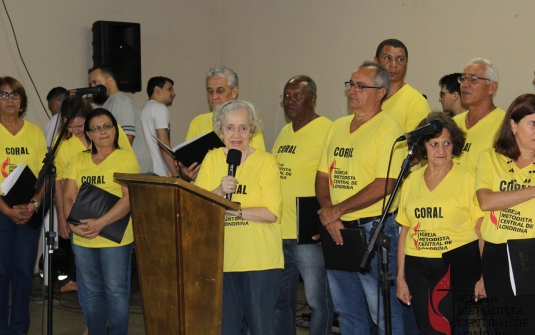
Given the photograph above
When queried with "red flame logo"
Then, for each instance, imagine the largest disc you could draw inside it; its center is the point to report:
(494, 219)
(5, 168)
(414, 236)
(436, 319)
(331, 168)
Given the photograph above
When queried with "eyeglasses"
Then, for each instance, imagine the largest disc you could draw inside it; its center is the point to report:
(13, 95)
(295, 97)
(471, 79)
(242, 129)
(106, 126)
(358, 86)
(442, 94)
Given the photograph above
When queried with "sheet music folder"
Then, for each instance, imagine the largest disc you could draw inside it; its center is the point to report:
(521, 255)
(195, 149)
(308, 220)
(91, 203)
(345, 257)
(22, 191)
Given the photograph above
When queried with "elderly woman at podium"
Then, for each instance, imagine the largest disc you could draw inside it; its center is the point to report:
(104, 264)
(253, 257)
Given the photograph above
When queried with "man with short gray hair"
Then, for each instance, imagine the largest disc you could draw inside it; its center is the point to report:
(479, 83)
(350, 187)
(221, 86)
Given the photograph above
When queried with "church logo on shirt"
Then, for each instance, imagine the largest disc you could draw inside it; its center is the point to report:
(5, 168)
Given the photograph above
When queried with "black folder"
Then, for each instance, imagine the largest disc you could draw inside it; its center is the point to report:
(308, 220)
(22, 192)
(346, 257)
(195, 149)
(522, 266)
(91, 203)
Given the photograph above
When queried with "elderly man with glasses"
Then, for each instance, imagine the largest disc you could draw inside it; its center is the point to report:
(357, 149)
(479, 82)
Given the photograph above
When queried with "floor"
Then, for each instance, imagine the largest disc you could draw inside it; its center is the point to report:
(68, 318)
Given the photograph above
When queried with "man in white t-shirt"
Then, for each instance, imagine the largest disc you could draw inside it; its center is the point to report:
(155, 120)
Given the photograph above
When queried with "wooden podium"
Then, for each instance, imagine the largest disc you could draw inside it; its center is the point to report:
(179, 232)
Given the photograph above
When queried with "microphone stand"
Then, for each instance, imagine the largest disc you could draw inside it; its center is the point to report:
(377, 237)
(50, 170)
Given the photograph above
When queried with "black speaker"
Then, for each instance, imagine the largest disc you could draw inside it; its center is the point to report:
(118, 45)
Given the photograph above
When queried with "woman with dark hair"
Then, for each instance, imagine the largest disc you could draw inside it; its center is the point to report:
(74, 142)
(21, 142)
(438, 242)
(505, 175)
(104, 265)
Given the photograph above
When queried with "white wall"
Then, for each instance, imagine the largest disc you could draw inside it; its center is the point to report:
(177, 41)
(267, 42)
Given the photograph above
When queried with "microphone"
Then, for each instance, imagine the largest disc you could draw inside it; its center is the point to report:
(432, 127)
(99, 89)
(233, 161)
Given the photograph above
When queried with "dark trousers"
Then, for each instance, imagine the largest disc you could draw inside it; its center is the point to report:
(509, 313)
(442, 288)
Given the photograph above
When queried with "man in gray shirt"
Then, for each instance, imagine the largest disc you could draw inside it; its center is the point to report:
(125, 111)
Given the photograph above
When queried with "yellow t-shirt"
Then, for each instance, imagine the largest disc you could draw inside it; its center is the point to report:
(27, 147)
(73, 146)
(355, 160)
(408, 107)
(499, 173)
(442, 219)
(82, 169)
(249, 246)
(478, 138)
(202, 124)
(298, 154)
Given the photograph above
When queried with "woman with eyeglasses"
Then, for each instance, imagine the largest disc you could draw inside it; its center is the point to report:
(253, 259)
(74, 141)
(104, 265)
(504, 183)
(21, 142)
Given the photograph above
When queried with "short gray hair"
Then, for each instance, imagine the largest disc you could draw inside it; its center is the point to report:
(490, 71)
(381, 77)
(223, 71)
(220, 115)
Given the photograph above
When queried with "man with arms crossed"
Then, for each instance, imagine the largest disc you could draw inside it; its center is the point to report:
(298, 149)
(357, 148)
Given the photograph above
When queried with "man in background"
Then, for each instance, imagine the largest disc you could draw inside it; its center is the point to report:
(405, 104)
(221, 86)
(125, 112)
(54, 102)
(450, 94)
(155, 119)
